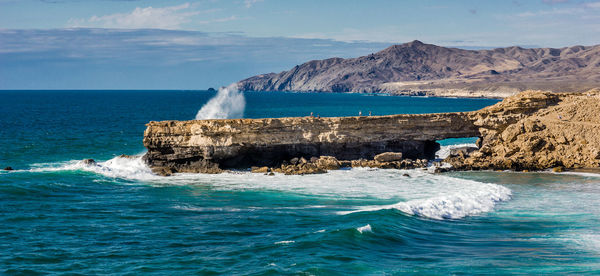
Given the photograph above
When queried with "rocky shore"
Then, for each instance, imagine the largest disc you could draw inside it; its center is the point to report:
(533, 130)
(388, 160)
(537, 131)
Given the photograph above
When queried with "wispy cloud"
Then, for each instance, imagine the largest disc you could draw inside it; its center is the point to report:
(151, 58)
(218, 20)
(564, 11)
(250, 3)
(550, 2)
(593, 5)
(580, 9)
(171, 17)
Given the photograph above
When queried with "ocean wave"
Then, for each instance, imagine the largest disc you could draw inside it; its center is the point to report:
(423, 194)
(118, 167)
(246, 209)
(476, 198)
(584, 174)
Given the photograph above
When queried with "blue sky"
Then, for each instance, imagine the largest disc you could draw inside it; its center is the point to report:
(146, 44)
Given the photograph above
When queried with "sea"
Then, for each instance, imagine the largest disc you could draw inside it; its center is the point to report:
(60, 216)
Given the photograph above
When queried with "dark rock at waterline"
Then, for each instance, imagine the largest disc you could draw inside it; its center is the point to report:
(441, 170)
(9, 168)
(211, 90)
(294, 160)
(89, 161)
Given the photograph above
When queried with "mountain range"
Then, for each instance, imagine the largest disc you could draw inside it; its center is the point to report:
(416, 68)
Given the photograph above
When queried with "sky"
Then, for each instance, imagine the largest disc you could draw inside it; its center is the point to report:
(148, 44)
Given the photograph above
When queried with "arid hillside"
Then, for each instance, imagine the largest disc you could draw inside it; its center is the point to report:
(422, 69)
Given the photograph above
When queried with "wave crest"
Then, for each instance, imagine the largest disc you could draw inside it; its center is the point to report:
(132, 167)
(471, 201)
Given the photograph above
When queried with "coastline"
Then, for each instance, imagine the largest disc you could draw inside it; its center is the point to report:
(520, 133)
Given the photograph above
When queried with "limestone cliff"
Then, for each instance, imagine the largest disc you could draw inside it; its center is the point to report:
(532, 130)
(537, 130)
(206, 145)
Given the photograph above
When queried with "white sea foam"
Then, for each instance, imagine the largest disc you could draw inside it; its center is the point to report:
(436, 196)
(366, 228)
(117, 167)
(246, 209)
(472, 198)
(211, 209)
(444, 151)
(284, 242)
(584, 174)
(228, 103)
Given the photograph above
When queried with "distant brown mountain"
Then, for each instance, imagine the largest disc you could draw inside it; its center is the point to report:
(417, 68)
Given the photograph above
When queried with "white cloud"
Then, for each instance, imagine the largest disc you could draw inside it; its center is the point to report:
(554, 1)
(593, 5)
(552, 12)
(249, 3)
(172, 17)
(218, 20)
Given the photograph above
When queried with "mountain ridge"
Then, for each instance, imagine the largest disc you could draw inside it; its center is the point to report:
(427, 69)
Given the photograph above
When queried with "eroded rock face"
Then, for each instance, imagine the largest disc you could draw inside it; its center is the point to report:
(537, 130)
(531, 130)
(204, 145)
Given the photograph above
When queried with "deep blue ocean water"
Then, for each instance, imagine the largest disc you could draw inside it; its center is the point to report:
(59, 216)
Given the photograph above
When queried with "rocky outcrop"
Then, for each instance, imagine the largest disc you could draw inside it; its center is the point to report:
(535, 131)
(211, 145)
(417, 68)
(300, 166)
(388, 157)
(532, 130)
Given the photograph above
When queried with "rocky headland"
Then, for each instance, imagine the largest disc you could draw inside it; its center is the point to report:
(536, 131)
(420, 69)
(533, 130)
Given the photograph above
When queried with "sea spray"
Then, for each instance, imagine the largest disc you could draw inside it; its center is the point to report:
(118, 167)
(228, 103)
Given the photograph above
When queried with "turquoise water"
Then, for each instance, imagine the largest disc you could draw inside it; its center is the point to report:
(60, 216)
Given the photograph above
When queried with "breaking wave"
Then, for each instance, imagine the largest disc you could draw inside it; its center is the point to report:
(132, 167)
(417, 192)
(228, 103)
(476, 198)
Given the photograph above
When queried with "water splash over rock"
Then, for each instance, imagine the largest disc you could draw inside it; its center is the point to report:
(228, 103)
